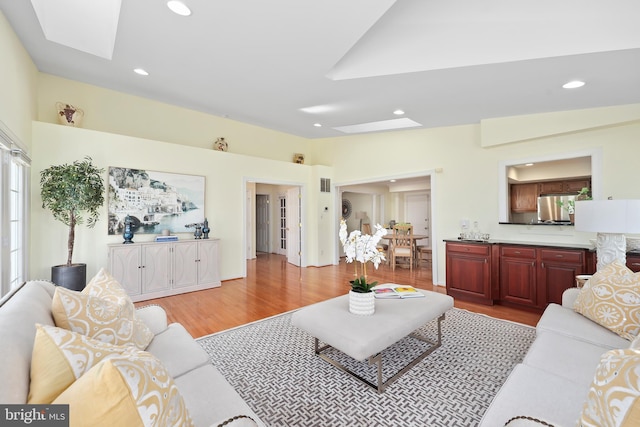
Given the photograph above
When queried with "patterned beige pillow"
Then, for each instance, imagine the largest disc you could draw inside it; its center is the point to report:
(60, 357)
(103, 285)
(94, 317)
(614, 395)
(613, 300)
(128, 390)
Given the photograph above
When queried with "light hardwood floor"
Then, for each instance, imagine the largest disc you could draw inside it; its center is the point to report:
(273, 286)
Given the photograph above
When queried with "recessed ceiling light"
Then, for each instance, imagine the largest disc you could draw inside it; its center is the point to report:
(392, 180)
(179, 8)
(140, 71)
(398, 112)
(318, 125)
(573, 84)
(528, 164)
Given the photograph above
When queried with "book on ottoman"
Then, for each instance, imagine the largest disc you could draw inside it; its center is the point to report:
(390, 290)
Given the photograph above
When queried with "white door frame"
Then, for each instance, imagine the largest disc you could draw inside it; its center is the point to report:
(431, 173)
(303, 215)
(294, 222)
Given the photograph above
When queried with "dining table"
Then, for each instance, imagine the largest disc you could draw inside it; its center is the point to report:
(414, 242)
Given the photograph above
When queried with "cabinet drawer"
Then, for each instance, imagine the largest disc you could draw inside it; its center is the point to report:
(469, 249)
(633, 263)
(560, 255)
(518, 252)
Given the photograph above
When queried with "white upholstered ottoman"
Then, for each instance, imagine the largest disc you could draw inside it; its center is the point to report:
(365, 337)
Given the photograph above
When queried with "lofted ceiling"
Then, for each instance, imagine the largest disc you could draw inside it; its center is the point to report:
(289, 64)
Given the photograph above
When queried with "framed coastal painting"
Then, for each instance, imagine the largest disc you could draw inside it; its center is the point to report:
(155, 201)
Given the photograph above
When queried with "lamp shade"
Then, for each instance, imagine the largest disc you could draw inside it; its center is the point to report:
(608, 216)
(361, 215)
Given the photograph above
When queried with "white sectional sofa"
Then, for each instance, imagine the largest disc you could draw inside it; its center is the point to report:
(209, 398)
(550, 386)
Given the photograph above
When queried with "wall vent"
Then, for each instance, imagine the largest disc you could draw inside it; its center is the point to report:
(325, 185)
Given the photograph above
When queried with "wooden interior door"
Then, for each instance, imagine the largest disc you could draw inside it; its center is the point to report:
(262, 223)
(418, 213)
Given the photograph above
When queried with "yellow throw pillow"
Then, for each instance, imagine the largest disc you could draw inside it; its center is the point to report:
(613, 300)
(60, 357)
(614, 395)
(95, 317)
(103, 311)
(129, 390)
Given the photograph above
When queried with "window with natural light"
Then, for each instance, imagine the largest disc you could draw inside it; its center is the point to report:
(14, 171)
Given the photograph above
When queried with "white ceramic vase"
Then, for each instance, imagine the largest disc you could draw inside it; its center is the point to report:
(362, 304)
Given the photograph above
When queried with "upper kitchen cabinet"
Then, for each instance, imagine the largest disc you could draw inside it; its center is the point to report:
(551, 187)
(524, 197)
(572, 186)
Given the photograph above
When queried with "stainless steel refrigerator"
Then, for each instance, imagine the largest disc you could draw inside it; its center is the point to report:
(552, 208)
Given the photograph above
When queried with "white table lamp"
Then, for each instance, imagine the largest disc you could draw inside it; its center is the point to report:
(610, 219)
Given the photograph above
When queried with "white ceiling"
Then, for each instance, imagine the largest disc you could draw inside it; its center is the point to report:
(442, 62)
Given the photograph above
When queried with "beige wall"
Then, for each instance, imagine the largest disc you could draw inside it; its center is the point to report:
(115, 112)
(225, 175)
(18, 84)
(464, 175)
(467, 185)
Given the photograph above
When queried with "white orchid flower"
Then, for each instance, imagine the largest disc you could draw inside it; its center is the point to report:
(362, 247)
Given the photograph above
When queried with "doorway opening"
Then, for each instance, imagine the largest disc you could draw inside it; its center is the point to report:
(274, 228)
(262, 223)
(396, 199)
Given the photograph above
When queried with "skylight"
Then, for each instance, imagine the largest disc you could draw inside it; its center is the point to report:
(379, 126)
(88, 26)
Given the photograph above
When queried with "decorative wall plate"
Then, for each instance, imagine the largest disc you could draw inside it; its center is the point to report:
(346, 208)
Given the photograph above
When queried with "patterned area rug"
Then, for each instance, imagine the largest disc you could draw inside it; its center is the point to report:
(273, 367)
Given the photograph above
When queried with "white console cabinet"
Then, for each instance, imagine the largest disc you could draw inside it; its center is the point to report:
(153, 270)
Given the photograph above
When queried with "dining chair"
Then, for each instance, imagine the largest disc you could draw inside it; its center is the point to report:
(366, 229)
(402, 244)
(424, 253)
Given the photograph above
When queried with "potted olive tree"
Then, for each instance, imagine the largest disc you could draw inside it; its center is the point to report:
(74, 193)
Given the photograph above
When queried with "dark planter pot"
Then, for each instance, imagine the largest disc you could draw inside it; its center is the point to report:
(72, 277)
